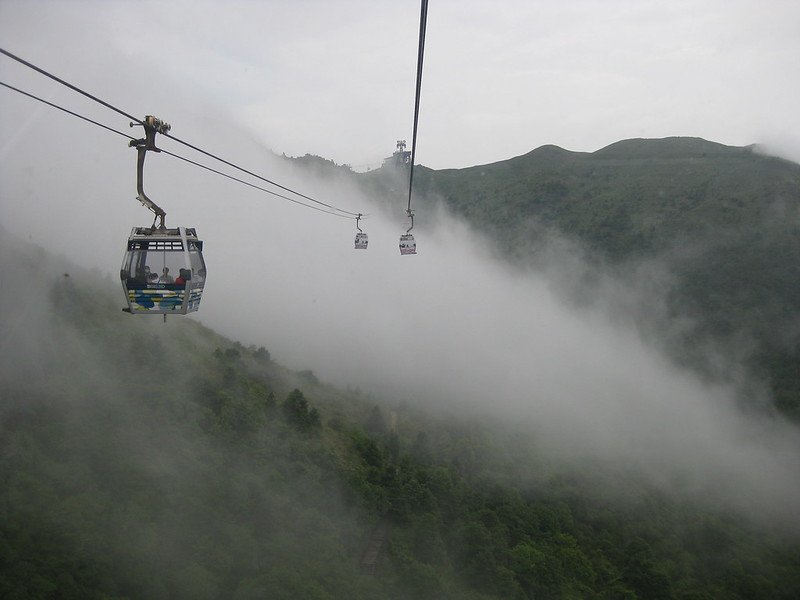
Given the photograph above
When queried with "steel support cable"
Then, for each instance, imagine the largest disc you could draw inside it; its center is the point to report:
(140, 122)
(167, 152)
(423, 18)
(69, 85)
(243, 170)
(61, 108)
(252, 185)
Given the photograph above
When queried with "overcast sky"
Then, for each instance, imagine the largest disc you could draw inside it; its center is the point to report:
(336, 79)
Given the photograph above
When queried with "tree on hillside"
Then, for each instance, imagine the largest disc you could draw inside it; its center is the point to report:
(297, 412)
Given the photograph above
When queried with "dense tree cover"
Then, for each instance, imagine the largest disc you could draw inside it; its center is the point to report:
(163, 461)
(723, 221)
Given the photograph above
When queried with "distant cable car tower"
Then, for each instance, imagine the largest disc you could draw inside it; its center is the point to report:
(400, 157)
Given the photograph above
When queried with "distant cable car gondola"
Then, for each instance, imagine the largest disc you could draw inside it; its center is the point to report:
(407, 243)
(361, 238)
(361, 241)
(163, 271)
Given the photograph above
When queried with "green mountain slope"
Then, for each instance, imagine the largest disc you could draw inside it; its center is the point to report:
(634, 196)
(149, 460)
(723, 221)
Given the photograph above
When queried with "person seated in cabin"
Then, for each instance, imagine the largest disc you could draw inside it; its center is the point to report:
(182, 277)
(166, 277)
(145, 276)
(140, 278)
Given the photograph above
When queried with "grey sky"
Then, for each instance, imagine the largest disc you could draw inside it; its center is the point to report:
(501, 78)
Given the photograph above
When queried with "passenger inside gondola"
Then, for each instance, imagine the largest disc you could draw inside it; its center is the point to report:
(182, 277)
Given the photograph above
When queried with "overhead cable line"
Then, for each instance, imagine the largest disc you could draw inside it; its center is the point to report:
(61, 108)
(69, 85)
(252, 185)
(167, 152)
(230, 164)
(193, 147)
(423, 19)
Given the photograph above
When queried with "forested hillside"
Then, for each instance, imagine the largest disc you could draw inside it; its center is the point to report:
(147, 460)
(721, 223)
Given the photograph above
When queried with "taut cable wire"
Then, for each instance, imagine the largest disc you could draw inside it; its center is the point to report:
(332, 210)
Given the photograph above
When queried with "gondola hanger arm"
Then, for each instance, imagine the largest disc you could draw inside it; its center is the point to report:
(152, 125)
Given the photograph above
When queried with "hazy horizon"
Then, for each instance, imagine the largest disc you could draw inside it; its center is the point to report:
(337, 80)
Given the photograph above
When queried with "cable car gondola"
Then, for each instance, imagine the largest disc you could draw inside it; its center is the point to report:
(407, 244)
(163, 271)
(361, 238)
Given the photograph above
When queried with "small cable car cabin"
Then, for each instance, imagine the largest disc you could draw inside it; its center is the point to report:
(163, 271)
(407, 244)
(361, 237)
